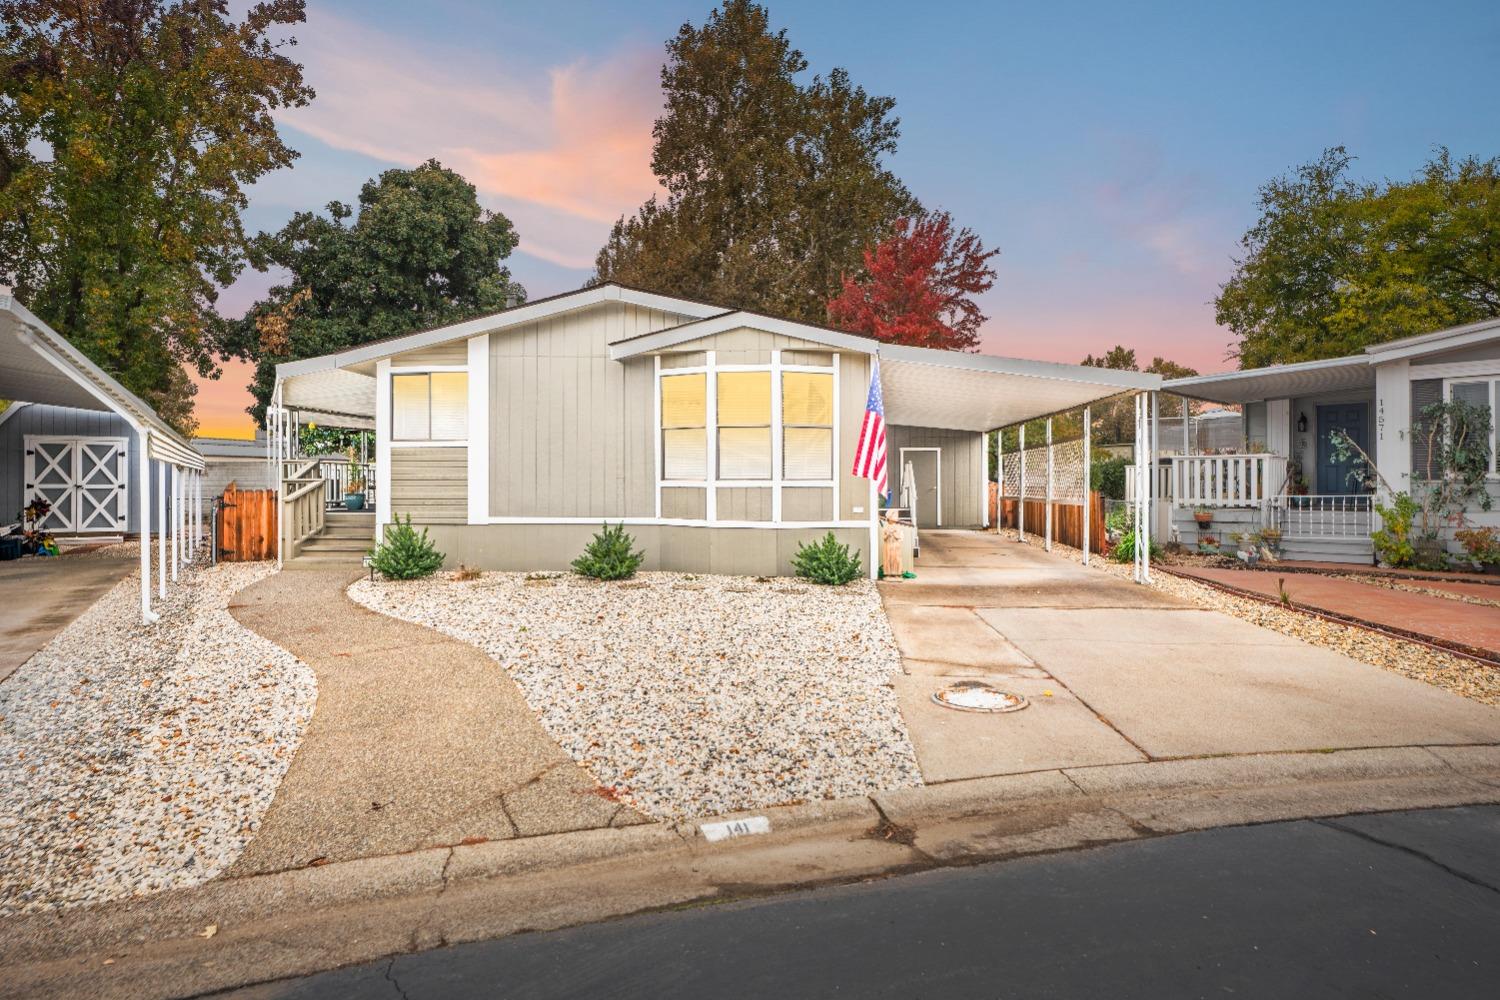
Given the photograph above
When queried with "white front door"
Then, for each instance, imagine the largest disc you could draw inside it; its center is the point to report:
(82, 478)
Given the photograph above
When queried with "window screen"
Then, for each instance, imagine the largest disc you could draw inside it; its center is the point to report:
(807, 426)
(684, 435)
(410, 417)
(450, 406)
(744, 403)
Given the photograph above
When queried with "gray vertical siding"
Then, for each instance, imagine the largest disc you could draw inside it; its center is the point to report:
(961, 462)
(571, 430)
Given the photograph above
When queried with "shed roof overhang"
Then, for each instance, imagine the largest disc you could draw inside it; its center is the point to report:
(38, 365)
(1279, 381)
(924, 387)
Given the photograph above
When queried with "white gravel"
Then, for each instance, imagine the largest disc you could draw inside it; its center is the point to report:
(689, 695)
(139, 758)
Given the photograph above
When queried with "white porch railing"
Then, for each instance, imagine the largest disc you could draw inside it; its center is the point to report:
(1325, 515)
(1226, 480)
(336, 476)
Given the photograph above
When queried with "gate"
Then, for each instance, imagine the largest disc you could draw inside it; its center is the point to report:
(245, 524)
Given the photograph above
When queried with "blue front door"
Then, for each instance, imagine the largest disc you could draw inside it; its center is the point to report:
(1335, 476)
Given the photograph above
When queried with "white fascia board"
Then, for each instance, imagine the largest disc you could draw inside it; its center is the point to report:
(1433, 343)
(723, 322)
(1228, 378)
(1108, 377)
(528, 313)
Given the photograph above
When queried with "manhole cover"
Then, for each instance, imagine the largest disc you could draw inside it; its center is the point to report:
(977, 696)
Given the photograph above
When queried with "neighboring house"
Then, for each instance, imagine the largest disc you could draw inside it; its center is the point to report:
(1291, 475)
(721, 438)
(241, 461)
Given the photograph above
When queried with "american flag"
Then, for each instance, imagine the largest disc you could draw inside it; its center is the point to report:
(869, 455)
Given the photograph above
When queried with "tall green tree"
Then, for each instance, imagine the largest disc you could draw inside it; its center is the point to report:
(128, 134)
(774, 187)
(419, 253)
(1335, 264)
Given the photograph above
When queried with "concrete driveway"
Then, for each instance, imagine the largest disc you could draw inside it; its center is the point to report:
(39, 597)
(1117, 673)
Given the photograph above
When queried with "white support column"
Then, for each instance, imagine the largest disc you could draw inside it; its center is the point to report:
(1187, 419)
(161, 529)
(198, 507)
(382, 451)
(1021, 499)
(1139, 458)
(1088, 475)
(176, 520)
(711, 499)
(1048, 542)
(1153, 403)
(776, 442)
(147, 615)
(984, 480)
(1000, 479)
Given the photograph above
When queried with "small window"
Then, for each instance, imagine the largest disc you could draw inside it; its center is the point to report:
(807, 426)
(1476, 394)
(684, 427)
(430, 407)
(744, 425)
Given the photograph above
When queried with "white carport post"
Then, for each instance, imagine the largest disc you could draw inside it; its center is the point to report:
(1021, 503)
(1088, 476)
(1048, 518)
(147, 615)
(176, 520)
(161, 529)
(984, 481)
(1000, 479)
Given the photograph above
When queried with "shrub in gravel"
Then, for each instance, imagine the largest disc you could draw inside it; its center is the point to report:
(826, 562)
(1125, 550)
(610, 555)
(405, 555)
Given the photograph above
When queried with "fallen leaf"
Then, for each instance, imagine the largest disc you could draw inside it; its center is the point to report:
(1047, 694)
(209, 931)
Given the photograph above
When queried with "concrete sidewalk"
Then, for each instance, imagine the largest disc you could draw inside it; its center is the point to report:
(418, 740)
(1118, 673)
(42, 596)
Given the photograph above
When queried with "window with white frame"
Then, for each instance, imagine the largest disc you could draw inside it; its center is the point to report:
(684, 427)
(1480, 391)
(744, 425)
(807, 426)
(430, 406)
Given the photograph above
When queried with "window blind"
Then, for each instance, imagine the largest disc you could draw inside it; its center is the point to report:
(1424, 393)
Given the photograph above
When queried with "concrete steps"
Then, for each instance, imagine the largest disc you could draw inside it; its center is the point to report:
(1355, 551)
(345, 538)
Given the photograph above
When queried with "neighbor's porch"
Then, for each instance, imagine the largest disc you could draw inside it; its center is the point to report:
(1284, 474)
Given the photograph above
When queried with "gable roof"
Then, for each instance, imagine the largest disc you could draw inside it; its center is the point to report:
(1441, 340)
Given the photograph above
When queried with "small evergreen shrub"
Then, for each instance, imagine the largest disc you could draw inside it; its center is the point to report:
(1394, 545)
(826, 562)
(610, 555)
(405, 555)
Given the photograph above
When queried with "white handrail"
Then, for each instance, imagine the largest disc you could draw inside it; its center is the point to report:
(1325, 515)
(1226, 480)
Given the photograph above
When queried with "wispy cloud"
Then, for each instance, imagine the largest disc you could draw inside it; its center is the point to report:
(1158, 209)
(562, 153)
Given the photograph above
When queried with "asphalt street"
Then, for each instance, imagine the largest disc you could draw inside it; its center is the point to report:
(1388, 905)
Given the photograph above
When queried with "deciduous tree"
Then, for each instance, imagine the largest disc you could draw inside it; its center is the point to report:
(917, 286)
(128, 135)
(774, 187)
(1335, 264)
(420, 253)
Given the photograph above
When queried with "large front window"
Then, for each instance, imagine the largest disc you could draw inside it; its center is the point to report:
(807, 426)
(1480, 392)
(430, 406)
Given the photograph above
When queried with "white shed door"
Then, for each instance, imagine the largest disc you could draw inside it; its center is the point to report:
(83, 479)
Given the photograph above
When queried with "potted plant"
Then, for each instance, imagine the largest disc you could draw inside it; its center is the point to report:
(1482, 546)
(1204, 516)
(354, 494)
(1208, 544)
(1271, 537)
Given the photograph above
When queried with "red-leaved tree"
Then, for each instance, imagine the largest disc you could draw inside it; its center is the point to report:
(918, 286)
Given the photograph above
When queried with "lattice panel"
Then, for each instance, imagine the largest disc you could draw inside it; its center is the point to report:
(1068, 476)
(1010, 464)
(1068, 479)
(1036, 473)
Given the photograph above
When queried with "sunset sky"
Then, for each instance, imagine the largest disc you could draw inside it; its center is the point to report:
(1111, 151)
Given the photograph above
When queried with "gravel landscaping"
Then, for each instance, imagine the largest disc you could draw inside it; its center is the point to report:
(139, 758)
(689, 695)
(1459, 674)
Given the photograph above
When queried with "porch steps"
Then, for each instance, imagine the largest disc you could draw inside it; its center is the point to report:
(1355, 551)
(345, 538)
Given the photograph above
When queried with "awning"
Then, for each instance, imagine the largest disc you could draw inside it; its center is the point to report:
(38, 365)
(1278, 381)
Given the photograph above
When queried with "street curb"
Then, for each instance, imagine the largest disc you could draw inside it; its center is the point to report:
(295, 922)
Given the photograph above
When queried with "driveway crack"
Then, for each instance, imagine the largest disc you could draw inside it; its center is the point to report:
(1457, 873)
(390, 977)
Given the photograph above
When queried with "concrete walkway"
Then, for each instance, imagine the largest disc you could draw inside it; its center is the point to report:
(417, 740)
(42, 596)
(1118, 673)
(1438, 617)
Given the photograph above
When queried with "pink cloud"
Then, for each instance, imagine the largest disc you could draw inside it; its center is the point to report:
(562, 153)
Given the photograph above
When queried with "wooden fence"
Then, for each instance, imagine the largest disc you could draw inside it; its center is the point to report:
(247, 525)
(1067, 519)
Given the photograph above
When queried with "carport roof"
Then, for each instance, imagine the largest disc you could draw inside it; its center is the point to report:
(38, 365)
(1279, 381)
